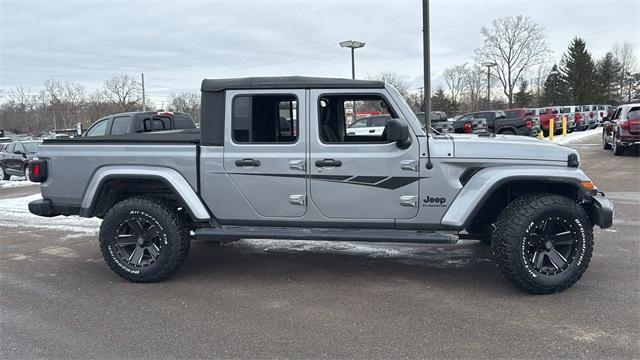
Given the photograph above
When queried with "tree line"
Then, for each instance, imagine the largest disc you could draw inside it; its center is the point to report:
(514, 55)
(63, 104)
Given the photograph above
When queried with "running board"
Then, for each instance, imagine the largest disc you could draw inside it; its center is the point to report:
(291, 233)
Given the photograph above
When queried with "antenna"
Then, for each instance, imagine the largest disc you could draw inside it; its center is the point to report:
(426, 33)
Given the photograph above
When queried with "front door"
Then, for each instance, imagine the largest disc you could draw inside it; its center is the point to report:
(355, 176)
(264, 150)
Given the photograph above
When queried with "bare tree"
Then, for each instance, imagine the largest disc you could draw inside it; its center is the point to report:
(394, 79)
(475, 82)
(65, 98)
(454, 78)
(627, 58)
(514, 44)
(124, 92)
(538, 77)
(188, 102)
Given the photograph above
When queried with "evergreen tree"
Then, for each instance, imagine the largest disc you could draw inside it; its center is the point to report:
(608, 78)
(523, 98)
(555, 89)
(579, 73)
(440, 102)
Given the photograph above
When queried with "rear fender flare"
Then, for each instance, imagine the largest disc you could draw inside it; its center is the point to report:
(173, 179)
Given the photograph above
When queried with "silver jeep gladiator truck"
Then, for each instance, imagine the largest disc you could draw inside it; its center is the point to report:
(273, 159)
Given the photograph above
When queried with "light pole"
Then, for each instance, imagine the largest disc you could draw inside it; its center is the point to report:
(353, 45)
(489, 65)
(426, 70)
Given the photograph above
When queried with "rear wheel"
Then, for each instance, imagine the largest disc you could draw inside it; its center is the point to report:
(543, 242)
(144, 240)
(3, 174)
(507, 132)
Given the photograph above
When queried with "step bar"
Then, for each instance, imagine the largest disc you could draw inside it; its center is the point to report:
(227, 233)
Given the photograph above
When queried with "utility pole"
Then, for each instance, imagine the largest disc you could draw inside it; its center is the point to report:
(489, 65)
(426, 34)
(143, 99)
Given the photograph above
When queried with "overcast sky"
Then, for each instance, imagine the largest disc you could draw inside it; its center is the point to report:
(178, 43)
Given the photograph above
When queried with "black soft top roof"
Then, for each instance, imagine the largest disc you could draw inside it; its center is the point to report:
(287, 82)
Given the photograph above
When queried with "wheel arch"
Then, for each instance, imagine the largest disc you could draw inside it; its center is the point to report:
(489, 191)
(110, 185)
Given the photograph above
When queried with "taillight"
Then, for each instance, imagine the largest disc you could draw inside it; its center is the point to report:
(529, 124)
(467, 128)
(591, 114)
(37, 170)
(624, 124)
(601, 114)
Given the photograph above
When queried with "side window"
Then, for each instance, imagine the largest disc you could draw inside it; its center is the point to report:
(183, 122)
(156, 123)
(9, 148)
(264, 119)
(633, 113)
(336, 113)
(99, 129)
(120, 125)
(616, 114)
(19, 149)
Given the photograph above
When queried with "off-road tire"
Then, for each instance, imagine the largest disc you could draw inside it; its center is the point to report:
(173, 235)
(3, 174)
(605, 144)
(507, 132)
(509, 244)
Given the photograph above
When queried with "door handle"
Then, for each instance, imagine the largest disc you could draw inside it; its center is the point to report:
(247, 162)
(372, 131)
(328, 163)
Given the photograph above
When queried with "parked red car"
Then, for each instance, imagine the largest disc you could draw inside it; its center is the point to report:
(623, 130)
(545, 116)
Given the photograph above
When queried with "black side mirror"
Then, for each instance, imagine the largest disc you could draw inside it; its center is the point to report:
(397, 131)
(18, 152)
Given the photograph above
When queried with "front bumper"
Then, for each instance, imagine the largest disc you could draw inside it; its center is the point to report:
(603, 211)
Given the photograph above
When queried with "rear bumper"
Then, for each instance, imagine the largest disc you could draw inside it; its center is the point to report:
(603, 211)
(44, 207)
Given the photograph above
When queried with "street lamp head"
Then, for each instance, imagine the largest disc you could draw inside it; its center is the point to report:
(352, 44)
(489, 64)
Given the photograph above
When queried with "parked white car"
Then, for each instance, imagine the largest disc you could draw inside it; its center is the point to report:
(369, 126)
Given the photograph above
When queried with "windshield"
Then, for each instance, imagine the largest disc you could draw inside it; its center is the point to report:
(31, 147)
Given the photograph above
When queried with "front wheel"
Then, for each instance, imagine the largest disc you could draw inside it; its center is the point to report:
(543, 242)
(617, 149)
(605, 144)
(3, 174)
(144, 240)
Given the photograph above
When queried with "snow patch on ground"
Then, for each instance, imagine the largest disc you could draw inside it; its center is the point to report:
(15, 181)
(574, 136)
(15, 213)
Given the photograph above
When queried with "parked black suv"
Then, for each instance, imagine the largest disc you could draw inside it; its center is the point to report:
(138, 122)
(14, 158)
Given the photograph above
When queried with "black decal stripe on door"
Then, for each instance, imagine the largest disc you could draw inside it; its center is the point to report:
(390, 183)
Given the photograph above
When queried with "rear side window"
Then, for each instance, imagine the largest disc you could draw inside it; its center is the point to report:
(120, 125)
(265, 119)
(512, 114)
(9, 148)
(99, 129)
(183, 122)
(157, 123)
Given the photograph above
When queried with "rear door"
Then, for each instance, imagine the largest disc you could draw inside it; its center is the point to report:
(359, 177)
(265, 150)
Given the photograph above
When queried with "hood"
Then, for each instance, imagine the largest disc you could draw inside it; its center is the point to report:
(508, 147)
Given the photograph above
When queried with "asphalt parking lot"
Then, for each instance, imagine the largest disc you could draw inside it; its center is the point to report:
(277, 299)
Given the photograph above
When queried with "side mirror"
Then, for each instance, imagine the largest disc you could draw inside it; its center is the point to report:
(397, 131)
(18, 152)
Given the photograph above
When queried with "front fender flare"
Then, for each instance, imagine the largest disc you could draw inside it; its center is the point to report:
(169, 176)
(479, 188)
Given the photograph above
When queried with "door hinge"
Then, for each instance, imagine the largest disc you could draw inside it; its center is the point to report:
(297, 165)
(409, 200)
(409, 165)
(297, 199)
